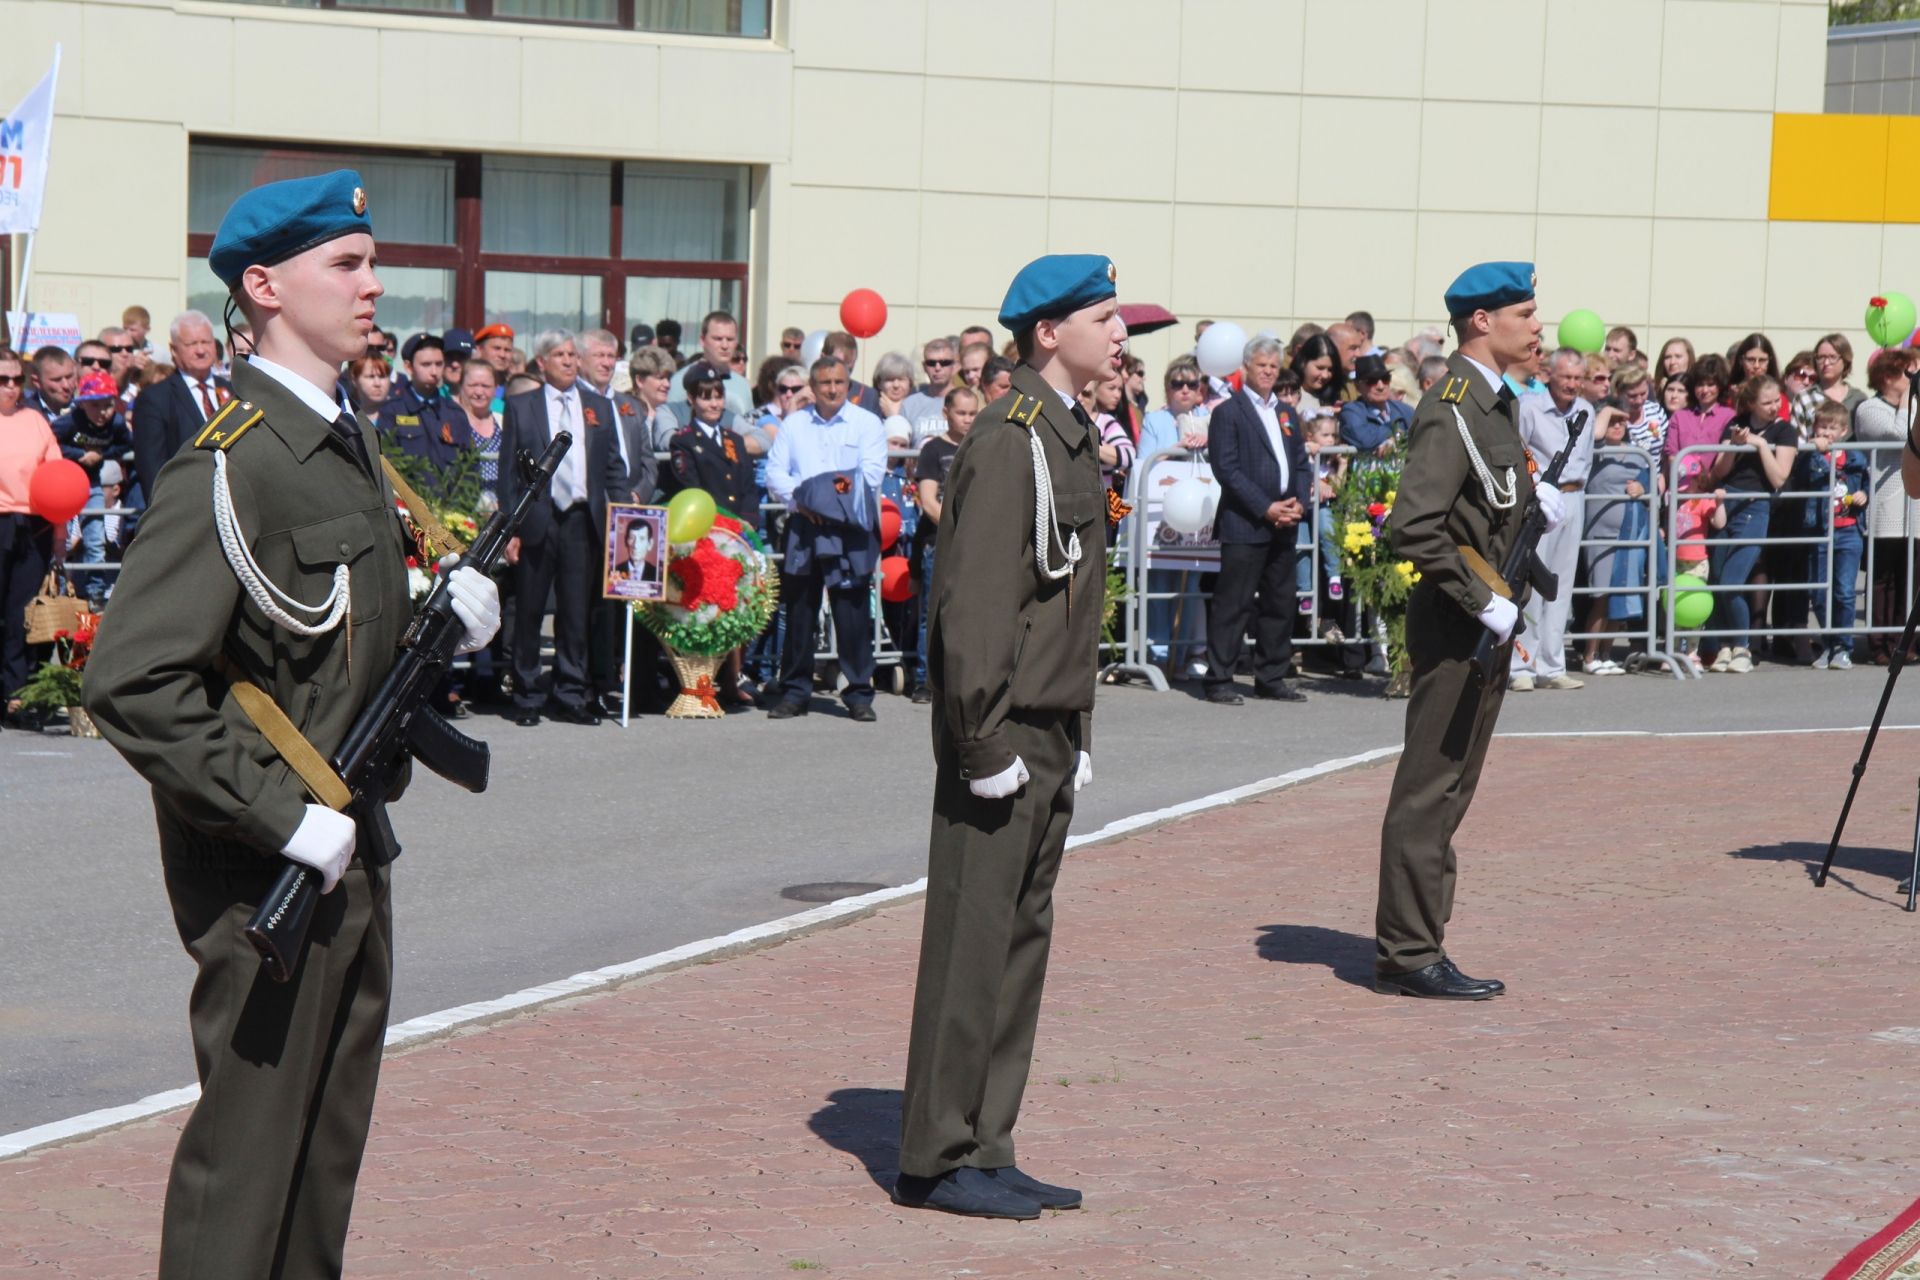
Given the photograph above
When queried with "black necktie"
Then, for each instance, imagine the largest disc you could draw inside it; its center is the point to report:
(349, 432)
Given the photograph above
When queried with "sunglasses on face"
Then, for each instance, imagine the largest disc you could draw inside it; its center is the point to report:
(1183, 384)
(13, 379)
(795, 389)
(123, 351)
(95, 362)
(939, 364)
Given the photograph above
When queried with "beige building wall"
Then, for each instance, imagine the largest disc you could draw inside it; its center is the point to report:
(1265, 161)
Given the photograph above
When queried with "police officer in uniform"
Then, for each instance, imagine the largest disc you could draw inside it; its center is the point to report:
(1012, 653)
(1464, 489)
(270, 556)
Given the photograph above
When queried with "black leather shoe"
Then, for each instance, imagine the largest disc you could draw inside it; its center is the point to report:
(922, 695)
(585, 715)
(863, 712)
(1282, 692)
(526, 719)
(1435, 982)
(1224, 696)
(786, 710)
(971, 1192)
(1494, 984)
(1048, 1195)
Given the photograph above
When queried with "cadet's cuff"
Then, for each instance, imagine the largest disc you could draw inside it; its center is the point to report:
(984, 757)
(1086, 732)
(273, 817)
(1473, 596)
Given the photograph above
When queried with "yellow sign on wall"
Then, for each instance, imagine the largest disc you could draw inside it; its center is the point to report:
(1845, 168)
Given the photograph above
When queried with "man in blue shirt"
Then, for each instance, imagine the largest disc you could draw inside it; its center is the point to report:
(829, 437)
(1375, 423)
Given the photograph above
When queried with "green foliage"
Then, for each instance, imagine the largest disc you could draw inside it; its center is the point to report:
(1117, 594)
(1362, 511)
(53, 686)
(455, 489)
(1850, 13)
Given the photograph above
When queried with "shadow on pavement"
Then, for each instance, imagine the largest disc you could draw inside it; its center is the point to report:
(1348, 955)
(865, 1123)
(1892, 865)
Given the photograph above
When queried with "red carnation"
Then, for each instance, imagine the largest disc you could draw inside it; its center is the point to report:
(707, 577)
(729, 524)
(1376, 509)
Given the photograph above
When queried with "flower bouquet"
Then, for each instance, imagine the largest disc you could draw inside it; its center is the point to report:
(721, 593)
(56, 685)
(1362, 513)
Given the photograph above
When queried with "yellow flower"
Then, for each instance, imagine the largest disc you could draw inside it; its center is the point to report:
(1391, 495)
(1356, 527)
(1405, 569)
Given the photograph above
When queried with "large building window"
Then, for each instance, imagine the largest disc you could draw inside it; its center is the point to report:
(748, 18)
(536, 242)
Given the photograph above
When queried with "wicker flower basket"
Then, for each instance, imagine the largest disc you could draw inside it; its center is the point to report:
(697, 700)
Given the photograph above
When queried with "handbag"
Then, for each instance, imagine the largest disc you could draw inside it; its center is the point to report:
(54, 610)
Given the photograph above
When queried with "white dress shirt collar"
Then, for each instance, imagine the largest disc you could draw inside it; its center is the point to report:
(313, 397)
(1494, 380)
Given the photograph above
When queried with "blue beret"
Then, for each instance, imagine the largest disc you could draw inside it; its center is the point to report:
(272, 223)
(1490, 286)
(1057, 285)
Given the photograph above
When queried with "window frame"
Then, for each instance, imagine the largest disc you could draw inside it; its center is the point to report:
(470, 264)
(483, 11)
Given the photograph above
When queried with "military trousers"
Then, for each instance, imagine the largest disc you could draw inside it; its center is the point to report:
(1449, 724)
(983, 949)
(262, 1180)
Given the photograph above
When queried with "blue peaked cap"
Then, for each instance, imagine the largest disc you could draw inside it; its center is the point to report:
(270, 224)
(1489, 286)
(1057, 285)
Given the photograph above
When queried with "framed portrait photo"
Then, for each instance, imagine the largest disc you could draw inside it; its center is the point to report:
(636, 552)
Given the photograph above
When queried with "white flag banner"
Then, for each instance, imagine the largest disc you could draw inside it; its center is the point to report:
(25, 136)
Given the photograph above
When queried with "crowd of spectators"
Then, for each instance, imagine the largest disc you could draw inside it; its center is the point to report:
(755, 434)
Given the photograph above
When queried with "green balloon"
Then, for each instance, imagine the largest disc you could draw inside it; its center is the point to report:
(1693, 604)
(1583, 331)
(689, 516)
(1891, 324)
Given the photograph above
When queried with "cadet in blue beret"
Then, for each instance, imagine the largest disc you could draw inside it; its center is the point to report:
(1012, 653)
(266, 545)
(1464, 489)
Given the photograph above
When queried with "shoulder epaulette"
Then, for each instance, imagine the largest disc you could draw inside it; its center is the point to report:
(234, 420)
(406, 419)
(1454, 390)
(1024, 410)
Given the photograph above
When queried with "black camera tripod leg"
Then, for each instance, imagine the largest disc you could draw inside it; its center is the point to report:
(1894, 664)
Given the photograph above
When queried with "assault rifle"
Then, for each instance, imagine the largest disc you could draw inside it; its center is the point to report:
(1523, 572)
(397, 722)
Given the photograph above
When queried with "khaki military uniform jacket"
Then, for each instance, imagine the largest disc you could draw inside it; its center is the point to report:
(1443, 504)
(1002, 637)
(304, 505)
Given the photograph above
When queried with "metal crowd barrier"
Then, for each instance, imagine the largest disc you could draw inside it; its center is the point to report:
(1649, 654)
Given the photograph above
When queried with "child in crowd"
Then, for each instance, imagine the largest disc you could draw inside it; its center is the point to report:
(1286, 389)
(1844, 473)
(1693, 518)
(1329, 469)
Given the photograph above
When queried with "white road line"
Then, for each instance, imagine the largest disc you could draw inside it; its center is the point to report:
(708, 949)
(752, 937)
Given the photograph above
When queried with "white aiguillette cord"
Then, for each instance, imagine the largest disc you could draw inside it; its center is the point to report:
(263, 592)
(1046, 534)
(1501, 501)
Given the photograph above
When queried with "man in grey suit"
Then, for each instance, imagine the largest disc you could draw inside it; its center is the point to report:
(1265, 479)
(559, 547)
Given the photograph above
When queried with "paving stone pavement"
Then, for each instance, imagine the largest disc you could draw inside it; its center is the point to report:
(1700, 1068)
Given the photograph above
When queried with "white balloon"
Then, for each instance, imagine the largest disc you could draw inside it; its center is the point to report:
(1213, 500)
(811, 346)
(1220, 348)
(1184, 508)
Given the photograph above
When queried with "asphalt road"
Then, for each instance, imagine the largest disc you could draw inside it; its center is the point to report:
(596, 846)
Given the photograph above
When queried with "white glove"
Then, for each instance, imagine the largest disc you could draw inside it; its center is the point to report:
(1553, 505)
(476, 602)
(1002, 784)
(1500, 617)
(324, 841)
(1083, 772)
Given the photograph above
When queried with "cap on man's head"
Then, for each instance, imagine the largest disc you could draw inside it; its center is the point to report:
(494, 331)
(1371, 369)
(1489, 286)
(272, 223)
(458, 343)
(98, 386)
(641, 335)
(112, 473)
(1057, 285)
(417, 341)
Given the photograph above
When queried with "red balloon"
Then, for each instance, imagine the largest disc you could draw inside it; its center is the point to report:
(896, 582)
(58, 490)
(889, 528)
(863, 313)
